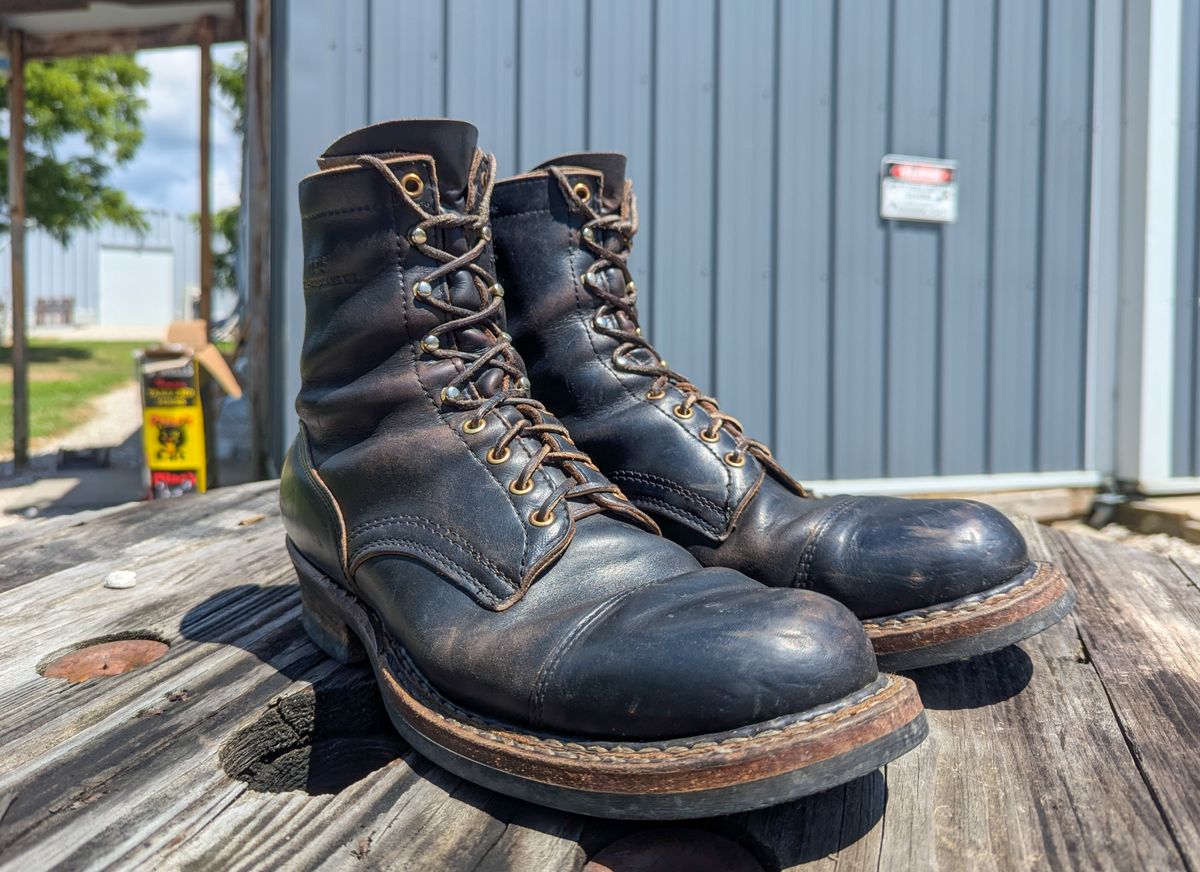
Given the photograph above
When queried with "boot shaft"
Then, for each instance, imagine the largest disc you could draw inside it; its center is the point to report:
(418, 433)
(564, 232)
(370, 299)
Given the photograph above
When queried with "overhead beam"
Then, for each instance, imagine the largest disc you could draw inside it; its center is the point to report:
(16, 220)
(125, 40)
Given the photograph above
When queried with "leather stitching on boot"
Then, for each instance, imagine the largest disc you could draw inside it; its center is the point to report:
(810, 548)
(569, 641)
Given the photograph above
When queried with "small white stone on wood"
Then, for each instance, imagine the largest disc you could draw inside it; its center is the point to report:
(120, 579)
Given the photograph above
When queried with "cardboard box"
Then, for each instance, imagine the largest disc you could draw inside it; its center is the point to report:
(174, 376)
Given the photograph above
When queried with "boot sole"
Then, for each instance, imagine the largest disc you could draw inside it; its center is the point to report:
(751, 767)
(1036, 599)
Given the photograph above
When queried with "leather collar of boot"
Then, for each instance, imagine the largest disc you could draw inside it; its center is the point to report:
(344, 185)
(537, 191)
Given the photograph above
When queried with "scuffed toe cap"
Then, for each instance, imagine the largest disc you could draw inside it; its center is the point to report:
(701, 653)
(885, 555)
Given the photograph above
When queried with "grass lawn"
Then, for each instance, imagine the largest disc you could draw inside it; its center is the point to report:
(63, 378)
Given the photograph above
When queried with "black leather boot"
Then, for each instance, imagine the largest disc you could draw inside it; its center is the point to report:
(529, 630)
(932, 580)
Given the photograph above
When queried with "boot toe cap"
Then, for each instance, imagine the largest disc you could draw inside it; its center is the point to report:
(886, 555)
(703, 653)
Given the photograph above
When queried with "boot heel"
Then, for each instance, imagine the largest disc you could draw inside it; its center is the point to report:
(322, 621)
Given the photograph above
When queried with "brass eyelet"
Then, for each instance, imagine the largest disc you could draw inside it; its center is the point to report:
(710, 437)
(541, 522)
(474, 425)
(655, 395)
(582, 192)
(683, 412)
(515, 488)
(496, 459)
(735, 459)
(413, 184)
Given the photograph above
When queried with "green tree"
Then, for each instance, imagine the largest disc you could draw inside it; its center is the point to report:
(231, 83)
(83, 118)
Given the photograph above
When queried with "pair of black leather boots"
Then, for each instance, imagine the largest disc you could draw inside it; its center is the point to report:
(578, 581)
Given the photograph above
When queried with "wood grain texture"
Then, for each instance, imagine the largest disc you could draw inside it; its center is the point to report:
(1077, 749)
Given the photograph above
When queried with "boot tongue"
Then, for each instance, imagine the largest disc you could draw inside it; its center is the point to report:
(610, 164)
(450, 143)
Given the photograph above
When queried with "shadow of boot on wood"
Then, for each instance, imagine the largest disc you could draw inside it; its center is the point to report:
(321, 737)
(330, 731)
(980, 681)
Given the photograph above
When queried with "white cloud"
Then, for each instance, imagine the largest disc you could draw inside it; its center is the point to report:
(165, 172)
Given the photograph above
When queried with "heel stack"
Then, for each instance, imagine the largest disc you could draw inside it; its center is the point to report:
(321, 618)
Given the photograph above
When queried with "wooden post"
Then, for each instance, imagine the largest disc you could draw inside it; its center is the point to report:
(257, 210)
(206, 254)
(16, 220)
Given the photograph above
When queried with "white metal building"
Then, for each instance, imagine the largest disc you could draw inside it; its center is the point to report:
(114, 276)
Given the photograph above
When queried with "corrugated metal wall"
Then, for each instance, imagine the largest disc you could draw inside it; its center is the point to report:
(859, 348)
(1186, 438)
(54, 270)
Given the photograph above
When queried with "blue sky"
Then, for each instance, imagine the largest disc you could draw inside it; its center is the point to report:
(164, 173)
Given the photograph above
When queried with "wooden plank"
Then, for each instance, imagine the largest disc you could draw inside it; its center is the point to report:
(127, 40)
(1139, 618)
(244, 747)
(1025, 767)
(1042, 505)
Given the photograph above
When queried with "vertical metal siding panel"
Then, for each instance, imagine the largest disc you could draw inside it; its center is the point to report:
(323, 68)
(1063, 292)
(551, 68)
(91, 263)
(1015, 233)
(1185, 448)
(913, 248)
(481, 69)
(745, 188)
(683, 187)
(1104, 235)
(407, 69)
(859, 239)
(802, 262)
(620, 101)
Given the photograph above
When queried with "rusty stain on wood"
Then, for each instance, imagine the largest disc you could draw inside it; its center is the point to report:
(105, 659)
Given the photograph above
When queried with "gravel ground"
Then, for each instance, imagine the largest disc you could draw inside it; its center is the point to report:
(116, 416)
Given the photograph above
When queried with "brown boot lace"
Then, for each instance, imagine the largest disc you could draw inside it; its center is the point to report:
(462, 392)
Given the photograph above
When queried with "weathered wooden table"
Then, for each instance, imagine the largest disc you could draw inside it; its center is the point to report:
(244, 747)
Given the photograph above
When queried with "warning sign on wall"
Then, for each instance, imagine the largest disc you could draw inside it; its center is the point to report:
(918, 189)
